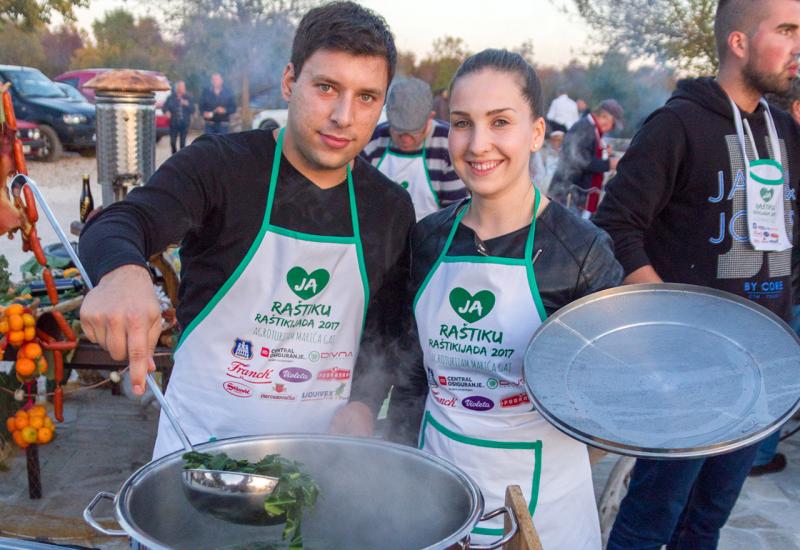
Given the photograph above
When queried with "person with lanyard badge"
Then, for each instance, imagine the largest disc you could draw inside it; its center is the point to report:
(293, 251)
(411, 148)
(706, 195)
(486, 272)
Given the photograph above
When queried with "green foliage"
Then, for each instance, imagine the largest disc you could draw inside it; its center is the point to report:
(678, 32)
(21, 47)
(294, 492)
(5, 275)
(124, 42)
(30, 14)
(441, 64)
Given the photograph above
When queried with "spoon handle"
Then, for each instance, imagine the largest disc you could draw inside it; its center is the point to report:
(153, 385)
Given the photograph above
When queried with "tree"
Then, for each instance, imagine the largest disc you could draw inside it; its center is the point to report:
(30, 14)
(20, 47)
(678, 32)
(124, 42)
(249, 39)
(59, 45)
(439, 66)
(526, 50)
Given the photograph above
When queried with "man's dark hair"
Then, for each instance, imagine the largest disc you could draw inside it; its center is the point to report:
(735, 15)
(506, 62)
(343, 27)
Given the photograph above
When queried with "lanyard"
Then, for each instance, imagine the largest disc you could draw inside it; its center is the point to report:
(771, 131)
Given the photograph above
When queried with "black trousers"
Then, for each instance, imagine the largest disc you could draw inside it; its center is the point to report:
(174, 132)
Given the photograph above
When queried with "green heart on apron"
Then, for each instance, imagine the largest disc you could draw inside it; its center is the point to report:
(471, 308)
(305, 285)
(766, 194)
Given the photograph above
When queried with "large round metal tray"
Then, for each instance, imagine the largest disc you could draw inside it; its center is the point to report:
(664, 371)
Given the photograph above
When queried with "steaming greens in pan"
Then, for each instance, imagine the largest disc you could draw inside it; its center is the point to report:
(295, 491)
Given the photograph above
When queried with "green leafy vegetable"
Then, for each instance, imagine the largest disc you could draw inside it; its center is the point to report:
(295, 490)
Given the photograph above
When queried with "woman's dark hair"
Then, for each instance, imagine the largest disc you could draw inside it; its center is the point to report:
(506, 62)
(343, 27)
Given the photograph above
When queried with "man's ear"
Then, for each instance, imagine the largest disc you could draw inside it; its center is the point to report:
(287, 81)
(738, 44)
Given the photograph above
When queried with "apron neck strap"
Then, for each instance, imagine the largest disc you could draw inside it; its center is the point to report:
(528, 242)
(273, 184)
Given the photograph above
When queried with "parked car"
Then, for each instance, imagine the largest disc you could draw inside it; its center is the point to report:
(31, 137)
(270, 118)
(78, 78)
(63, 124)
(72, 93)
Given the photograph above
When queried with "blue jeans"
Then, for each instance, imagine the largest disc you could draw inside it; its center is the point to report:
(217, 127)
(680, 503)
(767, 448)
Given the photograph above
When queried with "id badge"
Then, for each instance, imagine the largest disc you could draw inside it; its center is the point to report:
(765, 214)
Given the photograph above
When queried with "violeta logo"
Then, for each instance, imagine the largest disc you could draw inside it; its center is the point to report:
(477, 403)
(307, 285)
(470, 307)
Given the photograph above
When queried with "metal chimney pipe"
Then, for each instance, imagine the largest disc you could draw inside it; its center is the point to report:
(126, 129)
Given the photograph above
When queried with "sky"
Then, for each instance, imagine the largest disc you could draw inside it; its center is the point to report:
(557, 37)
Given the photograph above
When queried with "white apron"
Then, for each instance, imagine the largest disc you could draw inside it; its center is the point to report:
(273, 351)
(410, 171)
(766, 222)
(476, 316)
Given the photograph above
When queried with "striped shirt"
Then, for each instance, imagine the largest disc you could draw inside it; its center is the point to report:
(444, 180)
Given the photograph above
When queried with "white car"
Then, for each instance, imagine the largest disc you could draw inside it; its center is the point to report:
(270, 117)
(277, 117)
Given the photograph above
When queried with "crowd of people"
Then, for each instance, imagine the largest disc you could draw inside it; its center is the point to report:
(357, 255)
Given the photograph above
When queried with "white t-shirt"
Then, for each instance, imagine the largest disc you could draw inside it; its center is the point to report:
(564, 111)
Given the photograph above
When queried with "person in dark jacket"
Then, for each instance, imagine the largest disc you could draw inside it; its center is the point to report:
(179, 107)
(487, 271)
(217, 105)
(584, 156)
(677, 211)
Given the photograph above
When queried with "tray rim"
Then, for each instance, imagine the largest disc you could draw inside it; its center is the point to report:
(650, 452)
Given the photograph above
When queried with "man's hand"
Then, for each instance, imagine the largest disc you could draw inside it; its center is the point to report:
(123, 315)
(220, 110)
(612, 164)
(207, 115)
(355, 419)
(645, 274)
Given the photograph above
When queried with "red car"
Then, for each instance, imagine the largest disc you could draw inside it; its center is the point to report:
(80, 77)
(32, 144)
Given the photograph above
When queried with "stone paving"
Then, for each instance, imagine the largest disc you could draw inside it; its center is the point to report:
(106, 438)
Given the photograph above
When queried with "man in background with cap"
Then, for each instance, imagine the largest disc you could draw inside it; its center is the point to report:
(585, 158)
(411, 148)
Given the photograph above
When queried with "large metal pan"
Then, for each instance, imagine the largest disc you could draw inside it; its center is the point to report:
(373, 495)
(665, 371)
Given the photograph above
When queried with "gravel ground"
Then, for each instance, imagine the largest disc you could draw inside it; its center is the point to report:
(60, 183)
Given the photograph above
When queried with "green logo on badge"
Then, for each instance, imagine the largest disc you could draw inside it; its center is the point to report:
(307, 285)
(767, 194)
(471, 308)
(492, 383)
(404, 184)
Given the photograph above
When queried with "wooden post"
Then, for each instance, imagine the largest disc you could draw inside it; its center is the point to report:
(34, 471)
(527, 538)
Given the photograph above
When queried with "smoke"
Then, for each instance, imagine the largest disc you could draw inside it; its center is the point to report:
(258, 50)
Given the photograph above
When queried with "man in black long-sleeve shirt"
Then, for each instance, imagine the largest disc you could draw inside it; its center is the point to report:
(294, 253)
(678, 212)
(217, 105)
